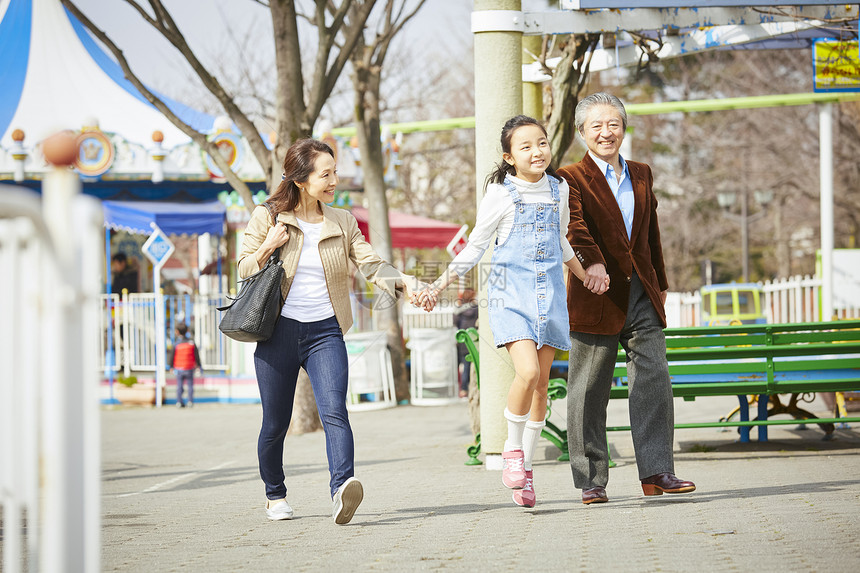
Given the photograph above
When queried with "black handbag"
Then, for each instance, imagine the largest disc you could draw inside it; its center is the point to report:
(252, 314)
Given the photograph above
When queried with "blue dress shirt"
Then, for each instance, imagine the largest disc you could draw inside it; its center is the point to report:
(622, 190)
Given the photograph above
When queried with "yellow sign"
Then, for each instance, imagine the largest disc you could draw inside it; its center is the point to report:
(836, 66)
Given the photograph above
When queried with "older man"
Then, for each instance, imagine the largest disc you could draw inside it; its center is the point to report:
(614, 233)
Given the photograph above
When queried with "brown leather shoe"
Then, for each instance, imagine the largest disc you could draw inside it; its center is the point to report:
(666, 483)
(594, 495)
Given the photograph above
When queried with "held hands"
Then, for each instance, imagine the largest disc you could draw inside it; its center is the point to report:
(413, 287)
(596, 279)
(427, 298)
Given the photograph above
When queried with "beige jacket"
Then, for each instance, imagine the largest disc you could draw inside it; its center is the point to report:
(340, 242)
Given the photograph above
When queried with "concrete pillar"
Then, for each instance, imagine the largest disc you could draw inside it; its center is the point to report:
(532, 91)
(498, 97)
(825, 123)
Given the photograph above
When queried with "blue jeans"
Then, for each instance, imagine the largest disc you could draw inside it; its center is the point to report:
(317, 347)
(185, 378)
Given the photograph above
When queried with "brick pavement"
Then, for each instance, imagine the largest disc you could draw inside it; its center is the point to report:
(181, 493)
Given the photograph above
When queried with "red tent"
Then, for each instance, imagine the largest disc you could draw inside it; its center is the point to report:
(411, 231)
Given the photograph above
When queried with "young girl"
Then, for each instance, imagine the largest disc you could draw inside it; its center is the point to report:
(526, 208)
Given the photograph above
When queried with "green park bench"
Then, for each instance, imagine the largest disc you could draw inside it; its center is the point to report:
(761, 360)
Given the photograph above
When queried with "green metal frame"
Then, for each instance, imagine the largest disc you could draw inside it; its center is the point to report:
(701, 105)
(556, 390)
(469, 337)
(737, 360)
(746, 359)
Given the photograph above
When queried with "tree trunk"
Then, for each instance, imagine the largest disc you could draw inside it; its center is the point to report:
(783, 252)
(291, 125)
(567, 81)
(367, 81)
(474, 401)
(305, 416)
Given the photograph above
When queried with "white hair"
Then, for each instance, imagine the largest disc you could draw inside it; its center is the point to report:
(600, 98)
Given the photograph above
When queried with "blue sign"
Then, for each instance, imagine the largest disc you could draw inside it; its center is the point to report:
(158, 247)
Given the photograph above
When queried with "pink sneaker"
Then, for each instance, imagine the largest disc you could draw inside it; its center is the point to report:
(513, 474)
(526, 497)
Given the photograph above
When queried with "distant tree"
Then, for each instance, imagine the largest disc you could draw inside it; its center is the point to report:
(368, 60)
(298, 102)
(569, 78)
(696, 156)
(299, 96)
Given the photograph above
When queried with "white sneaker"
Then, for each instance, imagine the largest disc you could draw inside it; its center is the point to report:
(277, 509)
(346, 500)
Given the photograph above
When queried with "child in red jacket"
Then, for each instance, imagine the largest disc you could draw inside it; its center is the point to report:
(184, 358)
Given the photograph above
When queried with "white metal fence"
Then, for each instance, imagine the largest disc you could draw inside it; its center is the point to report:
(440, 317)
(785, 300)
(127, 326)
(793, 299)
(49, 422)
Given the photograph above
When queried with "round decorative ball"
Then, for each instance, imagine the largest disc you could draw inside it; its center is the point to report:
(60, 149)
(157, 136)
(18, 135)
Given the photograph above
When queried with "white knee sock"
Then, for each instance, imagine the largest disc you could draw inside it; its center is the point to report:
(516, 426)
(530, 438)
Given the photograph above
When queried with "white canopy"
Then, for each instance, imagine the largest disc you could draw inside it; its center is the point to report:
(55, 76)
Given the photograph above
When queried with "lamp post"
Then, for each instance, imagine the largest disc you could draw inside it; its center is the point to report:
(726, 200)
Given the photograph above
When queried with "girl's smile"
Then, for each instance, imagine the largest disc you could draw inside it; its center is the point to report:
(530, 154)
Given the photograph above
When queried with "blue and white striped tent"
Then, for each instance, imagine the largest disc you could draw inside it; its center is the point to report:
(55, 76)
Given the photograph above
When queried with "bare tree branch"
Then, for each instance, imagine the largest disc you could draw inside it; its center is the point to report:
(165, 24)
(198, 138)
(352, 33)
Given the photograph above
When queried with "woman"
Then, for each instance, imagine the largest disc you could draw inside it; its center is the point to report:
(317, 242)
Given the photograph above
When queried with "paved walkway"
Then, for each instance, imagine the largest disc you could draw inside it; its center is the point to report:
(181, 492)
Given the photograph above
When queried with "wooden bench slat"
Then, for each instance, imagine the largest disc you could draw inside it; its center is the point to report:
(824, 349)
(837, 337)
(743, 360)
(820, 385)
(814, 364)
(718, 341)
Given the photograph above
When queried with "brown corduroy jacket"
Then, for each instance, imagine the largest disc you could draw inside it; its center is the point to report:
(340, 242)
(597, 235)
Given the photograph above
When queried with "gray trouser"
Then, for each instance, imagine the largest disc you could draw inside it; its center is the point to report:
(589, 378)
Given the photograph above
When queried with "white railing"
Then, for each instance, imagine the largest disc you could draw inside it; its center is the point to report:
(134, 313)
(127, 326)
(440, 317)
(793, 299)
(785, 300)
(691, 303)
(49, 419)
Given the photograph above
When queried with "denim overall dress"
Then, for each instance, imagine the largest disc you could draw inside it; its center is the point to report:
(526, 295)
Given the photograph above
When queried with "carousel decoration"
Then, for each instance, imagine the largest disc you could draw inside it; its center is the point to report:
(96, 153)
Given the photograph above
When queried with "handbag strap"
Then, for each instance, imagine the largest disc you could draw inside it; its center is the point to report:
(277, 252)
